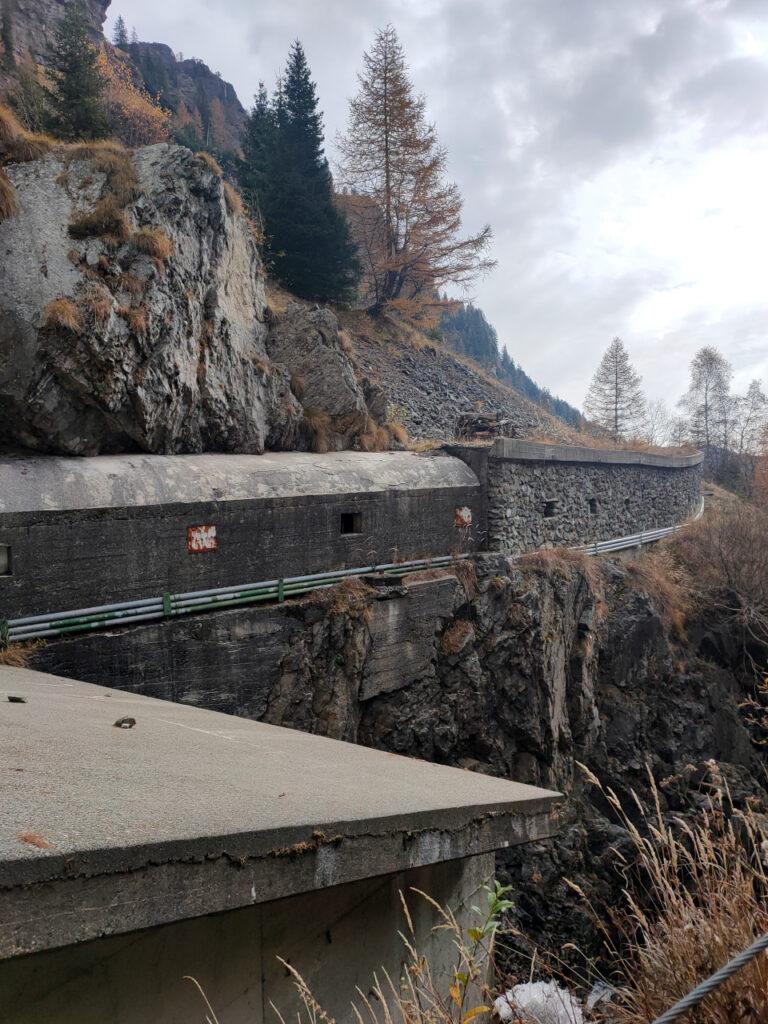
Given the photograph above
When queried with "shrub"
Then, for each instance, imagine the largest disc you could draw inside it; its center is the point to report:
(107, 220)
(63, 314)
(9, 204)
(210, 162)
(153, 242)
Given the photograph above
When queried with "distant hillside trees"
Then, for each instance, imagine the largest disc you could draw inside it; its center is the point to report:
(467, 331)
(405, 214)
(615, 397)
(77, 111)
(286, 179)
(120, 34)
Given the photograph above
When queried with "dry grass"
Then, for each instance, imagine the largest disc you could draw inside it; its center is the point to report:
(234, 201)
(351, 598)
(397, 432)
(9, 204)
(374, 438)
(138, 320)
(603, 442)
(20, 655)
(696, 895)
(210, 162)
(98, 303)
(346, 342)
(113, 161)
(456, 636)
(655, 573)
(153, 242)
(298, 385)
(320, 427)
(63, 314)
(17, 145)
(563, 562)
(107, 221)
(131, 285)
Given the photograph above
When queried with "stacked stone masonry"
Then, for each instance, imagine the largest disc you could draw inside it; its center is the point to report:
(541, 495)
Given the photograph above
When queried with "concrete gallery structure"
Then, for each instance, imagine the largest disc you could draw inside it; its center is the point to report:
(186, 842)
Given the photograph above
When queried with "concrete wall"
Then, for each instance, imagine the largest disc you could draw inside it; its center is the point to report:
(66, 560)
(540, 495)
(336, 938)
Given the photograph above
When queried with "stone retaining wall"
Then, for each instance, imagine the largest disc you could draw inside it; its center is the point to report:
(539, 495)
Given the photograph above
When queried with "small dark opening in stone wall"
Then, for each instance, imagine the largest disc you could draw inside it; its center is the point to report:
(6, 567)
(594, 506)
(627, 504)
(351, 522)
(550, 509)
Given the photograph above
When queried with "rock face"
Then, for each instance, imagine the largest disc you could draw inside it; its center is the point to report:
(199, 98)
(34, 23)
(533, 667)
(306, 340)
(166, 351)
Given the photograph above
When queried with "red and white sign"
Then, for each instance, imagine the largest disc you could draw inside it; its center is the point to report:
(201, 539)
(462, 517)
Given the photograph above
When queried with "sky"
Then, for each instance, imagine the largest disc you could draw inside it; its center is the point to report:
(618, 149)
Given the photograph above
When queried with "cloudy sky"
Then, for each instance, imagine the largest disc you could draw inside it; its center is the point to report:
(618, 148)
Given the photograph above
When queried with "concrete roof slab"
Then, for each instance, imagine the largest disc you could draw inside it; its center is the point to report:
(192, 811)
(53, 483)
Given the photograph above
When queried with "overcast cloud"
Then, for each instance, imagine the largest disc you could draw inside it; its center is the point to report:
(619, 149)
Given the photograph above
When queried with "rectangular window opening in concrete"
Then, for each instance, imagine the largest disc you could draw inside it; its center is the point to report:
(351, 522)
(550, 509)
(6, 568)
(594, 506)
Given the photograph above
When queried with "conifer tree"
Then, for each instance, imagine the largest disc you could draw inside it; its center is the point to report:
(120, 35)
(708, 398)
(405, 214)
(76, 98)
(6, 34)
(285, 175)
(615, 398)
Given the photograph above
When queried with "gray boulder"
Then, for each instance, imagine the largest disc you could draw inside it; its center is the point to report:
(160, 341)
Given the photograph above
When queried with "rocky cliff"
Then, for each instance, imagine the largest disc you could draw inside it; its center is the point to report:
(34, 23)
(133, 315)
(522, 670)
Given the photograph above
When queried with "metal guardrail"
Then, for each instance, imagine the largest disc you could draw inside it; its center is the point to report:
(80, 620)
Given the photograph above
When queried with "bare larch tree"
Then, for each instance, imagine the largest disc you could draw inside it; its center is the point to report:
(615, 397)
(405, 214)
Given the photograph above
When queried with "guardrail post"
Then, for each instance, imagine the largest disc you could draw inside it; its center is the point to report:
(167, 609)
(281, 590)
(4, 636)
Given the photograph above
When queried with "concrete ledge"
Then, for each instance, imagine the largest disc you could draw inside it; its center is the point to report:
(192, 812)
(535, 451)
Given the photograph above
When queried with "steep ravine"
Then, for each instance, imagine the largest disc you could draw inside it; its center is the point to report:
(523, 672)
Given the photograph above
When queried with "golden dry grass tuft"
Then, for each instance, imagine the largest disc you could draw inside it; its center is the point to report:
(17, 145)
(563, 562)
(456, 636)
(107, 221)
(131, 285)
(9, 204)
(138, 320)
(234, 200)
(298, 385)
(210, 162)
(153, 242)
(320, 427)
(63, 314)
(397, 432)
(696, 895)
(98, 303)
(351, 598)
(655, 573)
(19, 655)
(346, 342)
(113, 161)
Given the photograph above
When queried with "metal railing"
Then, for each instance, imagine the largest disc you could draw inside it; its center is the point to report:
(125, 613)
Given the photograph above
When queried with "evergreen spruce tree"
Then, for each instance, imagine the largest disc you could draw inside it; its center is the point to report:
(120, 35)
(6, 35)
(76, 98)
(285, 175)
